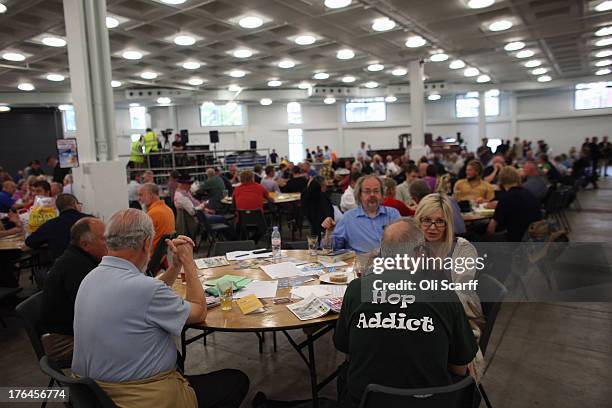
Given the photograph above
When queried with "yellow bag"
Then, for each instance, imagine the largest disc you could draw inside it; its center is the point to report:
(42, 211)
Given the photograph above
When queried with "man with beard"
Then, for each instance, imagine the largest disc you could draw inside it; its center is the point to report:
(361, 228)
(473, 187)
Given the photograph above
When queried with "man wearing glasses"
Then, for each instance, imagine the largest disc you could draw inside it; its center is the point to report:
(361, 228)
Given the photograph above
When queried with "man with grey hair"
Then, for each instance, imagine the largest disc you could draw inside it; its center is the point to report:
(402, 344)
(361, 228)
(86, 249)
(125, 323)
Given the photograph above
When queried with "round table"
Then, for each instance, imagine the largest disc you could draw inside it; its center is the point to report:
(277, 198)
(275, 318)
(13, 242)
(475, 216)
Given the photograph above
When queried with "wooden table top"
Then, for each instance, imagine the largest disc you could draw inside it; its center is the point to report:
(475, 216)
(276, 317)
(277, 198)
(13, 242)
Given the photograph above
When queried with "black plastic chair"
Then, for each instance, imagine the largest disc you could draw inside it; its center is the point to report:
(458, 395)
(84, 392)
(252, 224)
(335, 199)
(223, 247)
(159, 252)
(6, 293)
(212, 232)
(295, 245)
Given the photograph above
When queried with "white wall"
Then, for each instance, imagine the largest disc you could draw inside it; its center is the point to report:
(550, 117)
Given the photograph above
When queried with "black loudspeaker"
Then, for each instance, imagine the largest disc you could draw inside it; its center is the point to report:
(253, 144)
(214, 136)
(185, 136)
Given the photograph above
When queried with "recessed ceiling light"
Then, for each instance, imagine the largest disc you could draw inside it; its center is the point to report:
(603, 54)
(164, 100)
(234, 88)
(4, 108)
(184, 40)
(533, 63)
(132, 55)
(305, 40)
(500, 25)
(539, 71)
(337, 3)
(266, 101)
(173, 1)
(116, 84)
(376, 67)
(2, 8)
(544, 78)
(345, 54)
(399, 72)
(148, 75)
(242, 53)
(25, 87)
(54, 41)
(321, 75)
(191, 65)
(483, 78)
(603, 63)
(477, 4)
(65, 107)
(304, 85)
(493, 92)
(383, 24)
(274, 83)
(55, 77)
(471, 72)
(195, 81)
(13, 56)
(348, 79)
(237, 73)
(329, 100)
(390, 99)
(434, 97)
(250, 22)
(371, 84)
(111, 22)
(604, 31)
(415, 41)
(456, 64)
(286, 64)
(604, 71)
(604, 6)
(525, 54)
(439, 57)
(514, 46)
(604, 42)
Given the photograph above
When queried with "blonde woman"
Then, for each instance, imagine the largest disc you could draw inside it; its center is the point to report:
(434, 215)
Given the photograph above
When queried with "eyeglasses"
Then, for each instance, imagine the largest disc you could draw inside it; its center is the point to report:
(371, 192)
(428, 222)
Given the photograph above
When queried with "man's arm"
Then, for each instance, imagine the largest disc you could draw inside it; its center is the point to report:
(39, 237)
(459, 193)
(169, 275)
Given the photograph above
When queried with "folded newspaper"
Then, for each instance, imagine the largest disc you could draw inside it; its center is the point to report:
(313, 307)
(215, 261)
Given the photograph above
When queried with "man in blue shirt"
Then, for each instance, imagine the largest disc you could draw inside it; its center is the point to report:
(361, 228)
(6, 196)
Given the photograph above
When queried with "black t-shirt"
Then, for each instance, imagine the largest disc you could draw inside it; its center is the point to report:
(273, 157)
(178, 145)
(396, 356)
(516, 209)
(296, 185)
(59, 173)
(61, 287)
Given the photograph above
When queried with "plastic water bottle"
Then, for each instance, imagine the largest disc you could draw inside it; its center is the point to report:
(276, 244)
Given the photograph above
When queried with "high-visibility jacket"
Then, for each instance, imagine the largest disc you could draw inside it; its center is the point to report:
(136, 154)
(150, 142)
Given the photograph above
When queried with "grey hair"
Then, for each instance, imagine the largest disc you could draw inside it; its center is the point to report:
(401, 237)
(419, 189)
(210, 172)
(128, 229)
(151, 188)
(359, 185)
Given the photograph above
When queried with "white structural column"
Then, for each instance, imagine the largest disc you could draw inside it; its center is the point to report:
(417, 109)
(482, 118)
(173, 119)
(100, 179)
(513, 115)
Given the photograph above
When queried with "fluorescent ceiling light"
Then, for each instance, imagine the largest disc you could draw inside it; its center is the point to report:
(539, 71)
(329, 100)
(195, 81)
(434, 97)
(603, 63)
(492, 93)
(471, 72)
(266, 101)
(604, 31)
(13, 56)
(525, 54)
(111, 22)
(305, 40)
(274, 83)
(134, 105)
(544, 78)
(132, 55)
(25, 86)
(148, 75)
(371, 84)
(390, 99)
(603, 54)
(184, 40)
(604, 42)
(4, 108)
(533, 63)
(234, 88)
(55, 77)
(383, 24)
(237, 73)
(376, 67)
(286, 64)
(348, 79)
(250, 22)
(439, 57)
(457, 64)
(478, 4)
(399, 72)
(191, 65)
(2, 8)
(415, 41)
(604, 6)
(54, 41)
(514, 46)
(304, 85)
(500, 25)
(173, 2)
(242, 53)
(345, 54)
(116, 84)
(483, 78)
(65, 107)
(164, 100)
(604, 71)
(321, 75)
(334, 4)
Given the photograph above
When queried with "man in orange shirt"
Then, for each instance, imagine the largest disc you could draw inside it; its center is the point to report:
(160, 213)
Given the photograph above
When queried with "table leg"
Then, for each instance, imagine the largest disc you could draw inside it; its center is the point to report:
(313, 372)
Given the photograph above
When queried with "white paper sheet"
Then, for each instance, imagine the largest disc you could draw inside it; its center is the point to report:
(261, 289)
(281, 270)
(333, 264)
(319, 291)
(235, 255)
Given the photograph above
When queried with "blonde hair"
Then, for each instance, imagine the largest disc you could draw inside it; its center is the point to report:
(508, 176)
(430, 204)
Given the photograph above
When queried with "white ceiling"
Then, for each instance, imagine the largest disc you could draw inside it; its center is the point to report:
(560, 32)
